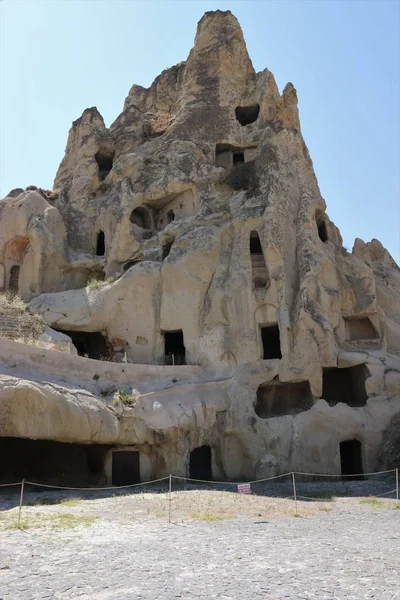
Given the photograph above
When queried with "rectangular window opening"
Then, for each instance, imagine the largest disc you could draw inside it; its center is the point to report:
(271, 343)
(175, 352)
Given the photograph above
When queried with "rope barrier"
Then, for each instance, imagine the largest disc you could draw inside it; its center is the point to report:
(340, 475)
(10, 484)
(231, 482)
(385, 494)
(234, 483)
(97, 489)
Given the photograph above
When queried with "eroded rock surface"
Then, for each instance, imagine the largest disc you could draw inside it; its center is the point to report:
(193, 232)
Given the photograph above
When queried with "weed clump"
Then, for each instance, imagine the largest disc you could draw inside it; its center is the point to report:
(122, 398)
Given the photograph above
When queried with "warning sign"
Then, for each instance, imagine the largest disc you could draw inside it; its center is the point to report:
(244, 488)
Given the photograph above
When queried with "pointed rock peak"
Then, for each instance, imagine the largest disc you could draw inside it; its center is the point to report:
(90, 116)
(217, 27)
(289, 94)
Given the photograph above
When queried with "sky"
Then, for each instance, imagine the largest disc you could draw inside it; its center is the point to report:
(58, 57)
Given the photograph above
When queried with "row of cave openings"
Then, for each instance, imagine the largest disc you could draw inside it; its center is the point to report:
(94, 345)
(346, 385)
(104, 158)
(57, 463)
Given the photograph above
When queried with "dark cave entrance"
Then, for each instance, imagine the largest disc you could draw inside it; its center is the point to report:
(279, 399)
(200, 463)
(238, 158)
(166, 249)
(100, 244)
(351, 459)
(247, 114)
(175, 352)
(56, 463)
(125, 467)
(271, 343)
(321, 225)
(104, 162)
(90, 344)
(258, 265)
(170, 216)
(255, 244)
(345, 385)
(141, 217)
(14, 279)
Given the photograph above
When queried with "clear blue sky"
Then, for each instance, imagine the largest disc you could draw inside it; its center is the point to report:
(60, 56)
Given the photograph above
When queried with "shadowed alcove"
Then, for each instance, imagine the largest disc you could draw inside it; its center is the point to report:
(104, 161)
(271, 343)
(345, 385)
(100, 244)
(44, 461)
(175, 352)
(351, 459)
(91, 344)
(125, 467)
(276, 399)
(200, 463)
(247, 114)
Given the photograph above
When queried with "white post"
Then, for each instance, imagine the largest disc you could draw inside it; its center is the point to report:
(20, 503)
(294, 493)
(397, 488)
(173, 359)
(169, 498)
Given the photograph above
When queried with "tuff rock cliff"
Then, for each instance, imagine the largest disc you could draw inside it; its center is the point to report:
(188, 246)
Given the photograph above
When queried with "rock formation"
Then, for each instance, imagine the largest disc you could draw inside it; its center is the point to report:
(221, 328)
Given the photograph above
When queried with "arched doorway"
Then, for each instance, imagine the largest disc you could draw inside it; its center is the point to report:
(200, 463)
(14, 279)
(351, 463)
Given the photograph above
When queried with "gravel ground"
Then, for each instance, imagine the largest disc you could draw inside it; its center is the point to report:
(220, 545)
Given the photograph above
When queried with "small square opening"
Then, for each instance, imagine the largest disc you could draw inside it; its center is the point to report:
(271, 342)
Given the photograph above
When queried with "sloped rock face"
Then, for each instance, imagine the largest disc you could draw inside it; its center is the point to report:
(201, 208)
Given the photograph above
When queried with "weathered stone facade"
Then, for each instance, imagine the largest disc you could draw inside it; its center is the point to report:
(227, 298)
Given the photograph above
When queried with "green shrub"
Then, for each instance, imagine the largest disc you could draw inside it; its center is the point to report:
(123, 398)
(96, 281)
(243, 176)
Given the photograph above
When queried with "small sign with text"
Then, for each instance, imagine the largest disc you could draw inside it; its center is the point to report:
(244, 488)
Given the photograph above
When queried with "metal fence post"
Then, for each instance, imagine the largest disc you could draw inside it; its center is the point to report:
(294, 493)
(397, 488)
(20, 503)
(169, 498)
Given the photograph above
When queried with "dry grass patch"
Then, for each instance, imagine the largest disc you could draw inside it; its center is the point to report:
(53, 521)
(378, 503)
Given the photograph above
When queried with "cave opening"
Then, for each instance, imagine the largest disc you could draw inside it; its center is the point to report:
(255, 244)
(104, 161)
(125, 467)
(175, 352)
(360, 329)
(351, 463)
(345, 385)
(271, 342)
(258, 264)
(238, 158)
(131, 263)
(276, 399)
(14, 279)
(50, 462)
(90, 344)
(200, 463)
(141, 216)
(247, 114)
(170, 216)
(100, 244)
(166, 249)
(321, 226)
